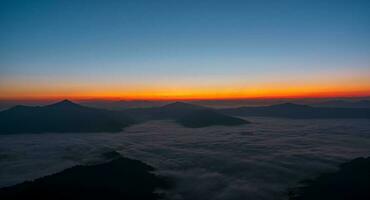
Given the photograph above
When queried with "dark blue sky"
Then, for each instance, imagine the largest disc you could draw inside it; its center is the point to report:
(71, 47)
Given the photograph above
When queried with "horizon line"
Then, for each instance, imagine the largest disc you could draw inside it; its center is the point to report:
(183, 99)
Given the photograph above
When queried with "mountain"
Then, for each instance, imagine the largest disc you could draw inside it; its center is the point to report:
(290, 110)
(204, 118)
(64, 116)
(288, 106)
(177, 109)
(120, 178)
(169, 111)
(344, 104)
(122, 104)
(351, 181)
(186, 114)
(182, 106)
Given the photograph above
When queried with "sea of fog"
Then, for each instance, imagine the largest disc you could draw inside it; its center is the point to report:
(255, 161)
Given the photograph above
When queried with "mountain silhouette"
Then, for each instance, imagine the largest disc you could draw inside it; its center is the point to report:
(204, 118)
(288, 106)
(65, 104)
(344, 104)
(186, 114)
(291, 110)
(64, 116)
(176, 110)
(351, 181)
(182, 106)
(120, 178)
(170, 111)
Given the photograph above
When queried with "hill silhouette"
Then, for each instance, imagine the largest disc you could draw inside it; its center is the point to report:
(204, 118)
(291, 110)
(170, 111)
(344, 104)
(176, 110)
(186, 114)
(351, 181)
(120, 178)
(64, 116)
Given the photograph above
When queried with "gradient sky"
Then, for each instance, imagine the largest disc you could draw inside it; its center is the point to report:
(184, 49)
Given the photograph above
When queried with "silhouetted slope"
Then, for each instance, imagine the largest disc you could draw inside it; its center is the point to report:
(64, 116)
(169, 111)
(186, 114)
(344, 104)
(121, 178)
(350, 182)
(181, 106)
(290, 110)
(204, 118)
(176, 110)
(120, 105)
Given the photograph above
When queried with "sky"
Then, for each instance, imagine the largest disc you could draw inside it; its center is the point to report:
(184, 49)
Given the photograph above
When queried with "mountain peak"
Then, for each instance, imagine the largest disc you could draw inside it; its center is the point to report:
(181, 105)
(289, 105)
(65, 103)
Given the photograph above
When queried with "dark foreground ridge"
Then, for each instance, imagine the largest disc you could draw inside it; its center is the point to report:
(121, 178)
(61, 117)
(352, 181)
(204, 118)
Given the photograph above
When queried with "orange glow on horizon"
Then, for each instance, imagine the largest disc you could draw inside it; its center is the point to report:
(221, 95)
(330, 84)
(356, 86)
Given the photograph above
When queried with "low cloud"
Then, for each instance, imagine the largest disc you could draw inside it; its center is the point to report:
(218, 163)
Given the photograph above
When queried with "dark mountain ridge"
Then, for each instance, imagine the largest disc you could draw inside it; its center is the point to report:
(64, 116)
(120, 178)
(186, 114)
(291, 110)
(169, 111)
(344, 104)
(205, 118)
(351, 181)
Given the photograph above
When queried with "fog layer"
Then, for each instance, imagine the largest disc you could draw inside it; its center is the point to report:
(253, 161)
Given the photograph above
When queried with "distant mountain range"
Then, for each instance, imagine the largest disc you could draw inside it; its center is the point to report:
(363, 102)
(297, 111)
(120, 105)
(169, 111)
(344, 104)
(66, 116)
(207, 117)
(186, 114)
